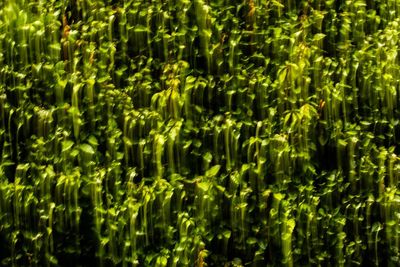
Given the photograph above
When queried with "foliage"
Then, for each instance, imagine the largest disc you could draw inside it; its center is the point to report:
(199, 133)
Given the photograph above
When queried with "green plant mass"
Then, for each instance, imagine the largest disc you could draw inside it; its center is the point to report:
(199, 133)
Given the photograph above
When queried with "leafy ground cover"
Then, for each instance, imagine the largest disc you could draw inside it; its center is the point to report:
(199, 133)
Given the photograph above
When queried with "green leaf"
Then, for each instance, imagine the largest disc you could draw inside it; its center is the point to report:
(213, 171)
(66, 145)
(251, 241)
(93, 141)
(204, 186)
(319, 36)
(87, 149)
(208, 157)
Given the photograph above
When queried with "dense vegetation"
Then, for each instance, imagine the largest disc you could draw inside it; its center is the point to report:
(199, 133)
